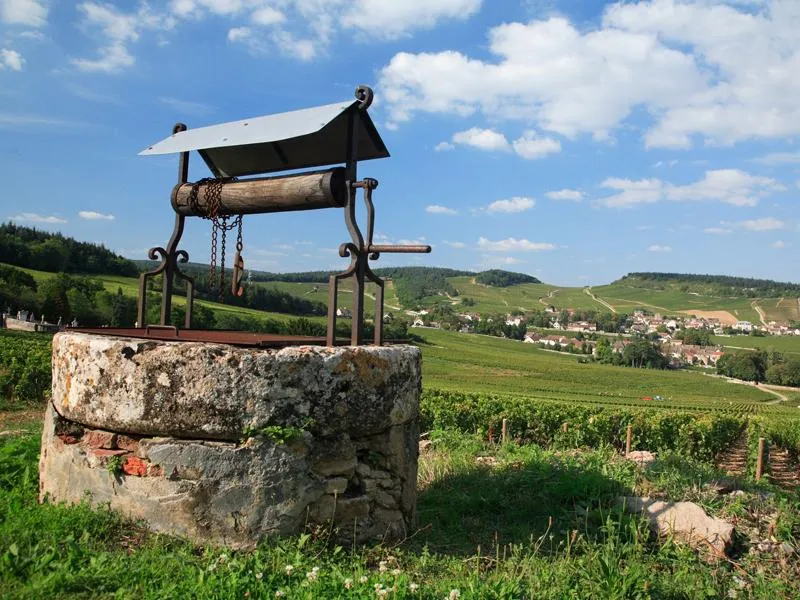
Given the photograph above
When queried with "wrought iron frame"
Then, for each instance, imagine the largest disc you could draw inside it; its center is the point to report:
(359, 250)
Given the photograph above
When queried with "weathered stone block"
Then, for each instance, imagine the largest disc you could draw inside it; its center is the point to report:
(190, 424)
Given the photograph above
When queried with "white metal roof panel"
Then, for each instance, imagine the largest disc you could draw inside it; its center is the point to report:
(298, 139)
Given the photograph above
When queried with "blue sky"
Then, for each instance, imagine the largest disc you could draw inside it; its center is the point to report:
(572, 140)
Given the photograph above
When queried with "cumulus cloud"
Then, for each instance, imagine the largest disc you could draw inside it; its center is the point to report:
(91, 215)
(513, 245)
(720, 72)
(37, 218)
(730, 186)
(11, 59)
(438, 209)
(658, 248)
(483, 139)
(530, 146)
(512, 205)
(443, 147)
(23, 12)
(565, 194)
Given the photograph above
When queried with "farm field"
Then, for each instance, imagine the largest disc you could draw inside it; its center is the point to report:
(318, 292)
(782, 343)
(474, 363)
(781, 309)
(627, 298)
(500, 300)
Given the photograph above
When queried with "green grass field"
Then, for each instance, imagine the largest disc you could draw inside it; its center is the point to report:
(475, 363)
(782, 343)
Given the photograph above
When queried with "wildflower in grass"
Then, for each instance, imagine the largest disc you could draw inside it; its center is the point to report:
(413, 587)
(363, 579)
(223, 558)
(313, 574)
(289, 569)
(396, 572)
(348, 583)
(382, 592)
(383, 567)
(378, 586)
(280, 594)
(259, 575)
(454, 595)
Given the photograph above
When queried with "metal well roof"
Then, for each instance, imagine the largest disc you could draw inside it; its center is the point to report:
(310, 137)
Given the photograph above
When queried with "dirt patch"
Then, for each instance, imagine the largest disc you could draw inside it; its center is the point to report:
(13, 420)
(724, 316)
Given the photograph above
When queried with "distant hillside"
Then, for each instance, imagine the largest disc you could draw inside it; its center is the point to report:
(712, 285)
(500, 278)
(44, 251)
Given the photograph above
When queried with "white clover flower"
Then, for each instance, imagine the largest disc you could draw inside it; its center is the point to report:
(383, 567)
(378, 586)
(280, 594)
(413, 587)
(222, 558)
(454, 594)
(312, 575)
(259, 575)
(382, 593)
(363, 579)
(396, 572)
(289, 569)
(348, 583)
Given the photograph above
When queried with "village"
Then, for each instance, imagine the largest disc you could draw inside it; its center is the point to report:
(666, 332)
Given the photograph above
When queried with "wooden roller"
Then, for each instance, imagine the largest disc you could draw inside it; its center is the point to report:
(304, 191)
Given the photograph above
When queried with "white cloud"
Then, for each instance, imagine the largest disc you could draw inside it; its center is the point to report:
(266, 16)
(11, 59)
(91, 215)
(697, 68)
(658, 248)
(290, 45)
(763, 224)
(454, 244)
(532, 147)
(565, 194)
(112, 59)
(778, 244)
(396, 19)
(513, 205)
(780, 158)
(630, 193)
(443, 147)
(513, 245)
(23, 12)
(437, 209)
(730, 186)
(238, 34)
(36, 218)
(117, 29)
(484, 139)
(717, 230)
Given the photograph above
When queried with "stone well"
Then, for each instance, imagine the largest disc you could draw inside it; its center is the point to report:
(225, 444)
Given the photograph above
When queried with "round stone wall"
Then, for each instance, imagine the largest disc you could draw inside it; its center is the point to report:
(225, 445)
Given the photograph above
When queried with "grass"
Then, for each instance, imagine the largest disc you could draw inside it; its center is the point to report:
(474, 363)
(494, 522)
(782, 343)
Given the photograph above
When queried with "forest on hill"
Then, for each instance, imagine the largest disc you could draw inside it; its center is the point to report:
(719, 285)
(54, 252)
(501, 278)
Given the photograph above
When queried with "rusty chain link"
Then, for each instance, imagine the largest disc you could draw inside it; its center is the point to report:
(213, 199)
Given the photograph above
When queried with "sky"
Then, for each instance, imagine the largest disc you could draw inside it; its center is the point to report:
(574, 140)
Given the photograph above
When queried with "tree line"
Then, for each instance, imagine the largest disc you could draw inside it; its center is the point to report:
(769, 366)
(44, 251)
(724, 285)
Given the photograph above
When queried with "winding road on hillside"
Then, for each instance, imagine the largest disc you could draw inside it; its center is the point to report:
(760, 312)
(588, 291)
(549, 297)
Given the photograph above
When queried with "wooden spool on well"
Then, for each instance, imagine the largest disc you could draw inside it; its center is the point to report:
(304, 191)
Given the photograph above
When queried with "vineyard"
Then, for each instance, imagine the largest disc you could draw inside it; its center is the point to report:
(24, 369)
